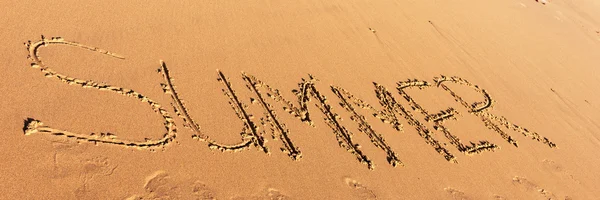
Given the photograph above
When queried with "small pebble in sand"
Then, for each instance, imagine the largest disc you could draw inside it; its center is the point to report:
(372, 30)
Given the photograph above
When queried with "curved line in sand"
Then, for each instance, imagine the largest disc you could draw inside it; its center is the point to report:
(35, 126)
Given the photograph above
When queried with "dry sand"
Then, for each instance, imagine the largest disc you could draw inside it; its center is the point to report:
(121, 125)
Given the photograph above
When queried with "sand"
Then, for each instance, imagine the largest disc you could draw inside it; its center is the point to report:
(300, 99)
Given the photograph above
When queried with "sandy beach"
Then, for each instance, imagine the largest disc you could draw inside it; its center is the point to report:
(300, 99)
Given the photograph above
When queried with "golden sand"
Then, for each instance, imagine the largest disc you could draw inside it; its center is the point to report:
(300, 100)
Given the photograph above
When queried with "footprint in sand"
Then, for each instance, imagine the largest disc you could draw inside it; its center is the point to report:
(268, 194)
(360, 190)
(499, 197)
(160, 185)
(529, 186)
(93, 167)
(456, 194)
(74, 167)
(558, 169)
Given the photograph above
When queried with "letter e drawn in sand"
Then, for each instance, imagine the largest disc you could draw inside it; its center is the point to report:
(391, 106)
(480, 109)
(439, 118)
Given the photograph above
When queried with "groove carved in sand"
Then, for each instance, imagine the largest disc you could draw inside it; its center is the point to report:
(182, 111)
(307, 90)
(32, 126)
(439, 118)
(391, 106)
(363, 126)
(252, 135)
(250, 130)
(277, 127)
(480, 109)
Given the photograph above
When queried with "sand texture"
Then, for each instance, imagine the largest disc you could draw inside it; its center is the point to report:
(300, 99)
